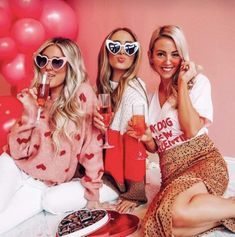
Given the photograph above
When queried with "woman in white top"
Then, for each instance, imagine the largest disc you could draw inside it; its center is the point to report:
(119, 60)
(194, 174)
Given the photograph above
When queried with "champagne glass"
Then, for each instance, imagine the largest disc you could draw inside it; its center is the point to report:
(138, 121)
(43, 92)
(105, 110)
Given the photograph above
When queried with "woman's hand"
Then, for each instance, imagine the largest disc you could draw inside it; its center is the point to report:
(123, 206)
(98, 121)
(131, 132)
(28, 97)
(188, 71)
(146, 138)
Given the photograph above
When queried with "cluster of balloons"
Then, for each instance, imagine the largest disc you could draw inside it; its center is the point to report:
(24, 26)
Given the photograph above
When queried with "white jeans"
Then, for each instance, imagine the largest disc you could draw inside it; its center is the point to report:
(22, 196)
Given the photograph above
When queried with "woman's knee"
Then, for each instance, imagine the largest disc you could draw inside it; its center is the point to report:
(180, 217)
(63, 198)
(10, 179)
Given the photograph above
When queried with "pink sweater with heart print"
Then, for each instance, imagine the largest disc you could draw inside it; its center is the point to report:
(30, 144)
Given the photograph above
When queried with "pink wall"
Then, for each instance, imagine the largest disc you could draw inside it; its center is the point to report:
(209, 27)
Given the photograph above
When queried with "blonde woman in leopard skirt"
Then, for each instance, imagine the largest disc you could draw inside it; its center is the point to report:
(194, 174)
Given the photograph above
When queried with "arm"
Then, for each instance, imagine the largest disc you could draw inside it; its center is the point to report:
(91, 152)
(23, 138)
(147, 138)
(189, 119)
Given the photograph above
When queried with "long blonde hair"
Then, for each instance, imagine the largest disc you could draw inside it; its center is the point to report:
(177, 35)
(105, 71)
(66, 107)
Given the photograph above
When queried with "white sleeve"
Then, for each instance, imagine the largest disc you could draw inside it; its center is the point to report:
(201, 98)
(130, 96)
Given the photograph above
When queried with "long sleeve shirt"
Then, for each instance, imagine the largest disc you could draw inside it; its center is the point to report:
(30, 144)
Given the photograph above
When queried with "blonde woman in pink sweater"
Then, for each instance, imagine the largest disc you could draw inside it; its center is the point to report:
(42, 168)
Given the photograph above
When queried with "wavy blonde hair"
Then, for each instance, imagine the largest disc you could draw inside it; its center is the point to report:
(177, 35)
(66, 107)
(105, 71)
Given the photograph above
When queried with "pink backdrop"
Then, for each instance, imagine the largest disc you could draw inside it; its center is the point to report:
(208, 25)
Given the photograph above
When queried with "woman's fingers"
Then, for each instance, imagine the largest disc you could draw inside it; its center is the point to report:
(187, 71)
(33, 92)
(98, 121)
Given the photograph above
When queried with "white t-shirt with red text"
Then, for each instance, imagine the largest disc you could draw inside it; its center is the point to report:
(164, 123)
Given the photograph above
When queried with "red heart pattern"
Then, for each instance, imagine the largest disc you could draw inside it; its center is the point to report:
(36, 146)
(89, 156)
(47, 134)
(78, 137)
(20, 123)
(82, 97)
(23, 140)
(100, 137)
(62, 153)
(41, 166)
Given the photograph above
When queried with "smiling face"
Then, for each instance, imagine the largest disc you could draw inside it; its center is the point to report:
(57, 77)
(165, 58)
(121, 61)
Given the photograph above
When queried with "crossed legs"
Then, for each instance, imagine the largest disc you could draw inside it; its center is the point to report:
(195, 211)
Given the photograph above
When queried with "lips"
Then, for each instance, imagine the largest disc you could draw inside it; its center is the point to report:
(121, 59)
(167, 69)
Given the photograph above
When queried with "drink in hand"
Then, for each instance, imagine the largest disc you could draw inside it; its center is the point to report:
(42, 92)
(139, 126)
(106, 112)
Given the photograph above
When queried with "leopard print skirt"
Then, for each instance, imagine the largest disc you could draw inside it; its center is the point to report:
(181, 167)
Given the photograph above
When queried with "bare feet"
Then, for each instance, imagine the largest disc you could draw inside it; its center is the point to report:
(123, 206)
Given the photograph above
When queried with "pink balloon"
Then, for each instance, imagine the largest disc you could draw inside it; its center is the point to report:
(10, 111)
(5, 22)
(8, 48)
(15, 71)
(59, 19)
(29, 34)
(26, 9)
(6, 6)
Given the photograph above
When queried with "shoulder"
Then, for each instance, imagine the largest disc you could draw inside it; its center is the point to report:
(202, 79)
(141, 81)
(87, 97)
(137, 83)
(86, 88)
(201, 83)
(135, 90)
(136, 86)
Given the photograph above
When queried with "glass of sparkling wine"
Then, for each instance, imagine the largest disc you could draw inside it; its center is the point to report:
(138, 122)
(105, 110)
(43, 93)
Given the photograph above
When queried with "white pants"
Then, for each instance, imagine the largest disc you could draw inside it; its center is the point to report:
(21, 196)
